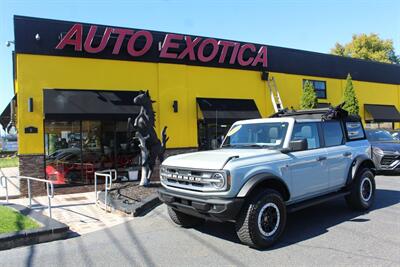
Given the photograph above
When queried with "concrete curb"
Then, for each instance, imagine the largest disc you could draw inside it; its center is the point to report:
(51, 230)
(136, 210)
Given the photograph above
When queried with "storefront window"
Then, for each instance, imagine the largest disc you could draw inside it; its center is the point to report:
(126, 153)
(211, 135)
(76, 150)
(63, 151)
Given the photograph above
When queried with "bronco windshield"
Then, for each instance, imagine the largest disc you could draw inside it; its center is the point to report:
(269, 135)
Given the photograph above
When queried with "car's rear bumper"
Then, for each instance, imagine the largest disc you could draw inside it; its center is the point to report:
(216, 209)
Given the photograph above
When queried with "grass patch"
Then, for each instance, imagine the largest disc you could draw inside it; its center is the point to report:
(13, 221)
(8, 162)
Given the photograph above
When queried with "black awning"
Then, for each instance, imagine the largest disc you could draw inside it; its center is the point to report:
(89, 104)
(228, 110)
(5, 116)
(382, 113)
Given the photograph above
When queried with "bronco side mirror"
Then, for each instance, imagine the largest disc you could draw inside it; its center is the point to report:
(296, 145)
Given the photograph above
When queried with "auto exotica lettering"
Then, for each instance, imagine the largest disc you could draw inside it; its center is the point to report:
(174, 46)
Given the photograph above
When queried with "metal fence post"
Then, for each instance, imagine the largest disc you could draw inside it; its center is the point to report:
(49, 196)
(6, 179)
(4, 184)
(95, 186)
(49, 188)
(29, 193)
(106, 191)
(109, 175)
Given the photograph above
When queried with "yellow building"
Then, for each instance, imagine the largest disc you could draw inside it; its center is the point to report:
(75, 84)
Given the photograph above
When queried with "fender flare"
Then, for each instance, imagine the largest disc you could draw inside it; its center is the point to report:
(257, 179)
(358, 162)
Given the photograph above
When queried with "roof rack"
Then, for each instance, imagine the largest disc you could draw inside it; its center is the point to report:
(331, 113)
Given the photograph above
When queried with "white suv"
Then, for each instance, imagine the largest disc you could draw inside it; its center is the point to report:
(268, 167)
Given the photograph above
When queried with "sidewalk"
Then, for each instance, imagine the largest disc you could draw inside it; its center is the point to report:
(13, 184)
(78, 211)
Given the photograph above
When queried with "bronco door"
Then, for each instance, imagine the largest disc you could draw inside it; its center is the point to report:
(309, 172)
(339, 154)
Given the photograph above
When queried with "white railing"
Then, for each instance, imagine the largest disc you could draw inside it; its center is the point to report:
(49, 188)
(4, 184)
(109, 176)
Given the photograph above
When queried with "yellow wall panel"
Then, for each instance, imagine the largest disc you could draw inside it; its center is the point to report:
(166, 83)
(290, 88)
(375, 93)
(35, 73)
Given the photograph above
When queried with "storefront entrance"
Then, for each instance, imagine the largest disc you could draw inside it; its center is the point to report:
(381, 116)
(216, 115)
(81, 139)
(76, 149)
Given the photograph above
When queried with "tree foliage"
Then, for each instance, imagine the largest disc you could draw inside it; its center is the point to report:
(369, 47)
(350, 98)
(309, 97)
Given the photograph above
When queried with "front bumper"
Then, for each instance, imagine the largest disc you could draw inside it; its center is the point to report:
(387, 162)
(216, 209)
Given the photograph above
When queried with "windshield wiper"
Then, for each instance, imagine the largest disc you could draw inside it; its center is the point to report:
(226, 145)
(246, 145)
(256, 145)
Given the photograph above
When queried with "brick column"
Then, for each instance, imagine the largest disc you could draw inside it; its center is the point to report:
(32, 166)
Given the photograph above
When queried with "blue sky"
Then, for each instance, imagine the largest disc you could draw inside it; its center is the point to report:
(308, 25)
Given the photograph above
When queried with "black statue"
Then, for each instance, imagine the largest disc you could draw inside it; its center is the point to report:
(143, 130)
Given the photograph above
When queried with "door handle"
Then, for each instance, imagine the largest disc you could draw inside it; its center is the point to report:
(321, 158)
(347, 154)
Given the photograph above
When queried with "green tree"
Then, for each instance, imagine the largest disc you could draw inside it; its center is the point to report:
(309, 97)
(350, 98)
(369, 47)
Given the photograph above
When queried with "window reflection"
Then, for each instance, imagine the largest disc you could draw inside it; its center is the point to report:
(77, 149)
(63, 151)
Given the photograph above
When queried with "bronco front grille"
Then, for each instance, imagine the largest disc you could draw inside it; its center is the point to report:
(196, 180)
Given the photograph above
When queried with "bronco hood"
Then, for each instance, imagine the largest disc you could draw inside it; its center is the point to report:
(212, 159)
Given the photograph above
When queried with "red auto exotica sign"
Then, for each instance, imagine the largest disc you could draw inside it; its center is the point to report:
(220, 51)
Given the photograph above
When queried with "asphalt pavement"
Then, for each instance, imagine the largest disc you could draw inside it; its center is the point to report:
(326, 235)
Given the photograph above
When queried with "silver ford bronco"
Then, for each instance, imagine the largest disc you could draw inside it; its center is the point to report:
(266, 168)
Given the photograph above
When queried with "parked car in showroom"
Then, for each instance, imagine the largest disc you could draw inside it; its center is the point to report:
(268, 167)
(385, 150)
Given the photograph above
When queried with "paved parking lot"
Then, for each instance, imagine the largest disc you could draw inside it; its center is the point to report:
(78, 211)
(328, 234)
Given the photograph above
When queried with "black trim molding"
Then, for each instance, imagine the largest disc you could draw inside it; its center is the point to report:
(279, 59)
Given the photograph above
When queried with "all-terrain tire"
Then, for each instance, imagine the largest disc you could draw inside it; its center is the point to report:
(253, 229)
(362, 191)
(183, 219)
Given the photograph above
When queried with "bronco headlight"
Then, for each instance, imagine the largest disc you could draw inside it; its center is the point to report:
(218, 180)
(163, 173)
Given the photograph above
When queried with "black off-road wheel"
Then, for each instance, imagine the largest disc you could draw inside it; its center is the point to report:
(362, 191)
(262, 220)
(183, 219)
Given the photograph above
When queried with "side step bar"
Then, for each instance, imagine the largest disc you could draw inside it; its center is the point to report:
(315, 201)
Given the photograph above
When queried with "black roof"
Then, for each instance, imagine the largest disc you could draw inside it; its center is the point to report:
(280, 59)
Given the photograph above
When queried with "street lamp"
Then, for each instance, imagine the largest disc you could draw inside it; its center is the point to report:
(8, 43)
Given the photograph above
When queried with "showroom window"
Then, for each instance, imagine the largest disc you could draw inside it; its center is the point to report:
(77, 149)
(63, 152)
(319, 87)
